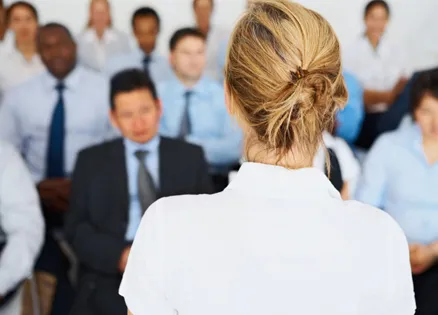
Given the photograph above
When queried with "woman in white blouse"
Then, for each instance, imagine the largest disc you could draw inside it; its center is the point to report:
(279, 240)
(381, 67)
(100, 40)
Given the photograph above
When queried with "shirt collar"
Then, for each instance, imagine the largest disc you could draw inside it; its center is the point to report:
(179, 88)
(279, 182)
(71, 82)
(151, 146)
(91, 36)
(139, 54)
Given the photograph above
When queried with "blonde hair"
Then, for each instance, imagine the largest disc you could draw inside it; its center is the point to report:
(283, 72)
(89, 24)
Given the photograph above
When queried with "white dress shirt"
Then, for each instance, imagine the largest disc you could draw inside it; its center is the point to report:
(159, 68)
(26, 115)
(216, 39)
(20, 217)
(377, 69)
(15, 69)
(350, 167)
(276, 241)
(94, 52)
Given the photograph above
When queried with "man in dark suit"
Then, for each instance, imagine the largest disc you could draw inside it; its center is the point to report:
(115, 182)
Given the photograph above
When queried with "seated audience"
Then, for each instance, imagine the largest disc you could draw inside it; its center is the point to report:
(380, 66)
(194, 107)
(401, 176)
(115, 182)
(100, 41)
(21, 228)
(216, 36)
(146, 26)
(21, 61)
(349, 120)
(50, 119)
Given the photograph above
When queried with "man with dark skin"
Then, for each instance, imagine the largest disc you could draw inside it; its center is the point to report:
(50, 119)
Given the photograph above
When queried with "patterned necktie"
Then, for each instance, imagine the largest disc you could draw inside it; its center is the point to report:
(146, 64)
(145, 185)
(185, 127)
(55, 151)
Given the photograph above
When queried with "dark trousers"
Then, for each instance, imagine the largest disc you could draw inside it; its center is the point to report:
(375, 124)
(53, 261)
(426, 292)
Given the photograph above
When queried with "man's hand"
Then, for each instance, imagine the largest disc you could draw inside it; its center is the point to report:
(124, 259)
(422, 258)
(55, 194)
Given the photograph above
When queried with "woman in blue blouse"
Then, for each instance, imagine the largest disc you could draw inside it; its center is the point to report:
(401, 176)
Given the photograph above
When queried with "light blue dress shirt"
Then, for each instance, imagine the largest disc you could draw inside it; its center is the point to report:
(398, 178)
(132, 165)
(350, 118)
(26, 115)
(211, 126)
(159, 67)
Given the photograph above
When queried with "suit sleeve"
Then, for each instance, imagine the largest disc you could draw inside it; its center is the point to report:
(204, 182)
(95, 250)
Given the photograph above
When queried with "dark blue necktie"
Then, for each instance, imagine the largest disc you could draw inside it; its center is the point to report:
(55, 151)
(146, 63)
(185, 127)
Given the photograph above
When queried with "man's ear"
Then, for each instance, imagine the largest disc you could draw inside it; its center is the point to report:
(113, 119)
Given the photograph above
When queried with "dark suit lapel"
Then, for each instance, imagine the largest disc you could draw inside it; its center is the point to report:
(166, 163)
(119, 178)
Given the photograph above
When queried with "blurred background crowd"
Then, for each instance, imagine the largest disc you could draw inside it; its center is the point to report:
(97, 124)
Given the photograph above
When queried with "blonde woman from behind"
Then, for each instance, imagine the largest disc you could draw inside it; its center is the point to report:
(279, 240)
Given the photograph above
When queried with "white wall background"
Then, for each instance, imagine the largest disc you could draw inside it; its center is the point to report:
(414, 22)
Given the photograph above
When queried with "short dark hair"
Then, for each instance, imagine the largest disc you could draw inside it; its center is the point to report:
(130, 80)
(59, 26)
(145, 12)
(374, 3)
(17, 4)
(425, 82)
(195, 2)
(183, 33)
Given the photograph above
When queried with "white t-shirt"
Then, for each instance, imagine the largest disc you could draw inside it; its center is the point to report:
(276, 241)
(377, 69)
(350, 167)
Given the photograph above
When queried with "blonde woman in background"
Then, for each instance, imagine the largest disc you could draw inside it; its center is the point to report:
(100, 40)
(279, 240)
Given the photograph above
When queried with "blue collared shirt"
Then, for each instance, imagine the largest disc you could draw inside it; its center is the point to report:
(350, 118)
(398, 178)
(26, 114)
(211, 126)
(132, 164)
(159, 67)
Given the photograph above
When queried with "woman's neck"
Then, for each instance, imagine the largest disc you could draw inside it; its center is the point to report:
(294, 159)
(27, 49)
(374, 40)
(100, 32)
(430, 147)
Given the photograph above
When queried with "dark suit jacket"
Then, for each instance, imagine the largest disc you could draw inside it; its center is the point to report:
(98, 216)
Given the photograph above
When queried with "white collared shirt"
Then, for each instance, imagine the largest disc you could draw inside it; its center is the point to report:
(276, 241)
(15, 69)
(377, 69)
(350, 167)
(217, 37)
(94, 52)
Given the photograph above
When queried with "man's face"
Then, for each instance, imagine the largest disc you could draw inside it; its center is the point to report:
(146, 32)
(189, 58)
(23, 23)
(57, 50)
(203, 10)
(137, 115)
